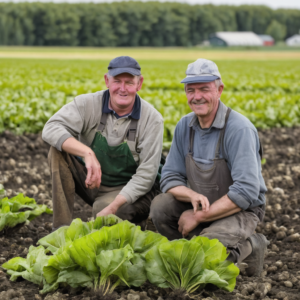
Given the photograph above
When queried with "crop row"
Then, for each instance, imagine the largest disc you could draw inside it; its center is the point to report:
(31, 91)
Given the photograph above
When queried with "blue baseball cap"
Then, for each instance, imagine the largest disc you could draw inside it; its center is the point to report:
(124, 64)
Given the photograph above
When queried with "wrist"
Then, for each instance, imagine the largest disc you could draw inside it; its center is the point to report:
(193, 195)
(88, 152)
(200, 216)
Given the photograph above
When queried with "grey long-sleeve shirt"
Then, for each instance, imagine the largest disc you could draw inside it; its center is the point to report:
(241, 147)
(80, 119)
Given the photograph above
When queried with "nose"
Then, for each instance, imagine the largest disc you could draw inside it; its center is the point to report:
(123, 87)
(198, 95)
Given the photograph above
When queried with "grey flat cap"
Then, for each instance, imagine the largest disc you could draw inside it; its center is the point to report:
(202, 70)
(124, 64)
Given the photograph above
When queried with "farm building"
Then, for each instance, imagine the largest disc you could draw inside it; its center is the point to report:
(243, 38)
(293, 40)
(267, 39)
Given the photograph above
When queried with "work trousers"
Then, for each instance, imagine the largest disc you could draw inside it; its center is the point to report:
(232, 231)
(68, 177)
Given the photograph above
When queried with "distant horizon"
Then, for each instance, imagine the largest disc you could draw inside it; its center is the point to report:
(274, 4)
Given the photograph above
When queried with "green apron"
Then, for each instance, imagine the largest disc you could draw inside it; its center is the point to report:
(117, 163)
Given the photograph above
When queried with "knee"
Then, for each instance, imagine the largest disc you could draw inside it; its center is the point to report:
(55, 158)
(160, 207)
(125, 212)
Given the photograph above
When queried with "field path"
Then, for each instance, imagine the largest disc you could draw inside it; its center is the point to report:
(145, 53)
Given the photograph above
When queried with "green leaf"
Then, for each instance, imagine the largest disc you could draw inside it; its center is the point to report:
(30, 268)
(75, 278)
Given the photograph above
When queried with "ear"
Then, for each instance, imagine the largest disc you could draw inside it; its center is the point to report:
(220, 90)
(106, 80)
(140, 83)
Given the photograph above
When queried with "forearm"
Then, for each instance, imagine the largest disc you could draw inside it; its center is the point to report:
(182, 193)
(72, 146)
(220, 209)
(113, 207)
(118, 202)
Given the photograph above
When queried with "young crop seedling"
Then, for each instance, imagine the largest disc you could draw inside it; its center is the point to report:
(18, 210)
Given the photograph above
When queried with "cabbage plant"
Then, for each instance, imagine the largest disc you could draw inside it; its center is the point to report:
(190, 265)
(109, 257)
(18, 210)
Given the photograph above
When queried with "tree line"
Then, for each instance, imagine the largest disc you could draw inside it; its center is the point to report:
(135, 23)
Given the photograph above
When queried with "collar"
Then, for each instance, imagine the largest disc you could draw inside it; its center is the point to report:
(219, 120)
(135, 113)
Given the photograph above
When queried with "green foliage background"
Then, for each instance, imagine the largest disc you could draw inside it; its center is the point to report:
(133, 23)
(31, 91)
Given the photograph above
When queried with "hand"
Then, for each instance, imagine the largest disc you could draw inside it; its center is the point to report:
(93, 178)
(108, 210)
(198, 199)
(187, 222)
(113, 207)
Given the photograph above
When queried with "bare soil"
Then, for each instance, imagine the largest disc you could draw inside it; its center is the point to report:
(24, 168)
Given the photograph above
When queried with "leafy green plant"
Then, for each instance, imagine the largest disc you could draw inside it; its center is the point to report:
(11, 214)
(108, 252)
(189, 265)
(109, 257)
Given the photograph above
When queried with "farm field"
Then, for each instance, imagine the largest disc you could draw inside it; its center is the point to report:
(31, 91)
(266, 91)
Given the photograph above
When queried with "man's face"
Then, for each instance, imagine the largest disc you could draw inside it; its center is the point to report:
(203, 98)
(122, 89)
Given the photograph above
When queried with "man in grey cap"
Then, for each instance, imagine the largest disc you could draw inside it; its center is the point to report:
(106, 147)
(212, 183)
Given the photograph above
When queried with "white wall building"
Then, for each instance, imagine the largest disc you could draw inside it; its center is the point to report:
(293, 40)
(235, 38)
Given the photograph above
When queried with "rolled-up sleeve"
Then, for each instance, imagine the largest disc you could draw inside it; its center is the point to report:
(242, 149)
(173, 172)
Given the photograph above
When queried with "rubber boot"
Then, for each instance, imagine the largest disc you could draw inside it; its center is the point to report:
(255, 260)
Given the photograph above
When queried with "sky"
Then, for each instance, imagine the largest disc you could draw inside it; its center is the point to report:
(271, 3)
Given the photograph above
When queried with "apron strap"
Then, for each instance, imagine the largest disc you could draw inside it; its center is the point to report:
(192, 135)
(102, 122)
(221, 137)
(131, 133)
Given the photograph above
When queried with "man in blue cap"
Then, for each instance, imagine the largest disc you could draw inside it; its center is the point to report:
(212, 183)
(106, 147)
